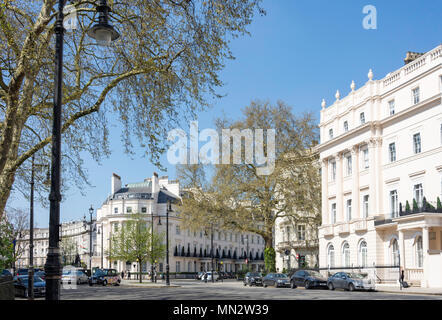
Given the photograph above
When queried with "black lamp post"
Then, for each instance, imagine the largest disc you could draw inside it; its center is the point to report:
(168, 208)
(102, 30)
(151, 247)
(100, 231)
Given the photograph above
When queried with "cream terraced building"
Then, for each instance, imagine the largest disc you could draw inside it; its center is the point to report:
(188, 251)
(381, 146)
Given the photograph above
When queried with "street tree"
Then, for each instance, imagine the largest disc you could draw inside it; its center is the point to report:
(19, 220)
(6, 245)
(161, 71)
(69, 249)
(240, 199)
(133, 242)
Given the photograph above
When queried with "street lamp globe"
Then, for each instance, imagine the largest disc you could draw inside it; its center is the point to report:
(103, 32)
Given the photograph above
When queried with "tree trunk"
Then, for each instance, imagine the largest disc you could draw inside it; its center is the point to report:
(6, 182)
(139, 271)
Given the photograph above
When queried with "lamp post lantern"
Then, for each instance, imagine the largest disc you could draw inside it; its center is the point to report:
(102, 30)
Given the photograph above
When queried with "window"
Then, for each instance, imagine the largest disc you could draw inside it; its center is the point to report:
(129, 209)
(345, 126)
(330, 133)
(395, 253)
(143, 210)
(333, 213)
(394, 204)
(417, 143)
(301, 232)
(392, 152)
(331, 256)
(189, 266)
(362, 117)
(365, 205)
(346, 254)
(416, 95)
(178, 230)
(418, 192)
(363, 254)
(333, 171)
(419, 253)
(365, 160)
(391, 107)
(349, 165)
(178, 266)
(115, 210)
(348, 209)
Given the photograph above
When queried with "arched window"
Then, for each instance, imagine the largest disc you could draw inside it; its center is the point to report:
(363, 253)
(331, 256)
(346, 254)
(395, 252)
(419, 252)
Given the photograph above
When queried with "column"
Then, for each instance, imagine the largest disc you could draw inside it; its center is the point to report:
(425, 248)
(355, 174)
(325, 209)
(401, 244)
(372, 168)
(339, 192)
(379, 183)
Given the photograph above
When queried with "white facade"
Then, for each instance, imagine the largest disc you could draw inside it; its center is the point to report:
(148, 197)
(76, 231)
(381, 146)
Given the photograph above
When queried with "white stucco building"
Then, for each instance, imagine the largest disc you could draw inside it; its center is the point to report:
(381, 146)
(188, 251)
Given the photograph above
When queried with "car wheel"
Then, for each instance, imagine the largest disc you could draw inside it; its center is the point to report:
(292, 284)
(351, 287)
(265, 286)
(331, 286)
(307, 285)
(245, 284)
(104, 282)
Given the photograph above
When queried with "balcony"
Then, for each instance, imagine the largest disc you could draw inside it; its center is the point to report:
(343, 228)
(359, 226)
(328, 231)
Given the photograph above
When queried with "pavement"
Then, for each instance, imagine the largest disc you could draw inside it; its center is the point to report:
(410, 290)
(147, 284)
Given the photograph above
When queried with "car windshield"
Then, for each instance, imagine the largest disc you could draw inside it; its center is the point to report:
(65, 273)
(25, 279)
(99, 273)
(314, 274)
(280, 275)
(357, 275)
(255, 274)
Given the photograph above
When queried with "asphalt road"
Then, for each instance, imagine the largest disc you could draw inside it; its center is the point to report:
(229, 290)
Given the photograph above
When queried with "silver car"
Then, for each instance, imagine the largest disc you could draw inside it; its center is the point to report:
(350, 281)
(72, 276)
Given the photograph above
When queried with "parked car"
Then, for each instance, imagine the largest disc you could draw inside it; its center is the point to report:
(209, 276)
(105, 277)
(276, 279)
(41, 274)
(74, 276)
(253, 279)
(350, 281)
(199, 275)
(21, 286)
(308, 279)
(6, 272)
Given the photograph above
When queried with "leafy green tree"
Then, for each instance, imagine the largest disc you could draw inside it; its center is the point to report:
(238, 198)
(163, 68)
(269, 259)
(69, 249)
(133, 242)
(6, 245)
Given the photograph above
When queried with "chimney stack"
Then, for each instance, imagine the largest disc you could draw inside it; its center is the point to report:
(115, 183)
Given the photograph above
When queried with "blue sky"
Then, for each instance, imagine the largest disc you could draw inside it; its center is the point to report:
(300, 52)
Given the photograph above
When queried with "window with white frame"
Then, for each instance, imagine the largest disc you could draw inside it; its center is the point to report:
(418, 193)
(333, 213)
(349, 165)
(365, 205)
(129, 209)
(330, 133)
(301, 232)
(417, 144)
(362, 117)
(363, 254)
(392, 152)
(346, 254)
(419, 252)
(394, 252)
(115, 210)
(331, 256)
(391, 106)
(416, 95)
(394, 205)
(287, 233)
(333, 171)
(178, 266)
(365, 158)
(348, 211)
(345, 126)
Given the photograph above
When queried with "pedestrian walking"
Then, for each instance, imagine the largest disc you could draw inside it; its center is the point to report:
(205, 277)
(128, 275)
(401, 278)
(122, 274)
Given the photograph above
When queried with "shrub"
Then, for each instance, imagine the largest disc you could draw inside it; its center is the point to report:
(415, 206)
(439, 205)
(407, 207)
